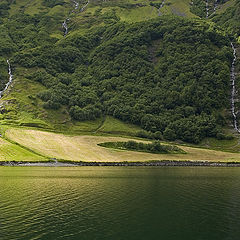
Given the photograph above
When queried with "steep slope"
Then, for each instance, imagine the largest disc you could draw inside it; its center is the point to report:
(208, 8)
(168, 75)
(136, 73)
(230, 19)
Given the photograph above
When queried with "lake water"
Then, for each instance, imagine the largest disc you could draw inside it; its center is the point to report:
(168, 203)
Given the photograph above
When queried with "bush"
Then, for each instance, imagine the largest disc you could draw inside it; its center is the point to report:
(51, 105)
(144, 134)
(154, 147)
(222, 136)
(169, 134)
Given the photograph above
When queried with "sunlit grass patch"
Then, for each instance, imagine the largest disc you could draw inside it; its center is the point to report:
(12, 152)
(85, 148)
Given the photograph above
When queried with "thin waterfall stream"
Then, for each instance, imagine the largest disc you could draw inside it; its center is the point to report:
(161, 6)
(65, 27)
(76, 7)
(233, 94)
(64, 24)
(207, 9)
(9, 80)
(83, 8)
(215, 6)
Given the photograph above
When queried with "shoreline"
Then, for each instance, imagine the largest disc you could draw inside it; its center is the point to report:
(165, 163)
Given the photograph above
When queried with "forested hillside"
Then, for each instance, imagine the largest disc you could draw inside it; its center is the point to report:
(230, 19)
(168, 74)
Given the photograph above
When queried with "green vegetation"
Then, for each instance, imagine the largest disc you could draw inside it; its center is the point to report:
(121, 69)
(230, 19)
(148, 81)
(115, 126)
(199, 7)
(12, 152)
(222, 145)
(154, 147)
(85, 148)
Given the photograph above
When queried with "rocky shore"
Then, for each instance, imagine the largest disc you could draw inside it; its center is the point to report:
(134, 164)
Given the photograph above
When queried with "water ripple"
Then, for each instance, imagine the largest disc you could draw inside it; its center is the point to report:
(119, 203)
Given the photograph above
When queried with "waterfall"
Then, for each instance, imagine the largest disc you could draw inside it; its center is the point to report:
(76, 6)
(65, 27)
(207, 9)
(161, 6)
(9, 80)
(83, 8)
(233, 79)
(215, 6)
(64, 24)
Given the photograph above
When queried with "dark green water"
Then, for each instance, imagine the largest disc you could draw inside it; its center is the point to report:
(119, 203)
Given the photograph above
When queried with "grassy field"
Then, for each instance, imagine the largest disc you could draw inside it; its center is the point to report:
(31, 7)
(85, 148)
(177, 7)
(115, 126)
(140, 10)
(224, 145)
(13, 152)
(137, 14)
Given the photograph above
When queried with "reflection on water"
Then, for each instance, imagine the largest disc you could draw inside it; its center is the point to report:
(119, 203)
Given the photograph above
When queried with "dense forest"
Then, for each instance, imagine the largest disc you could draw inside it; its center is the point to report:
(169, 75)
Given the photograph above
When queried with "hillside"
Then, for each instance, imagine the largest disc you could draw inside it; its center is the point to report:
(162, 68)
(230, 19)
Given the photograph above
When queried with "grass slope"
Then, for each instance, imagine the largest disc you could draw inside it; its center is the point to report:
(178, 7)
(13, 152)
(85, 148)
(222, 8)
(115, 126)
